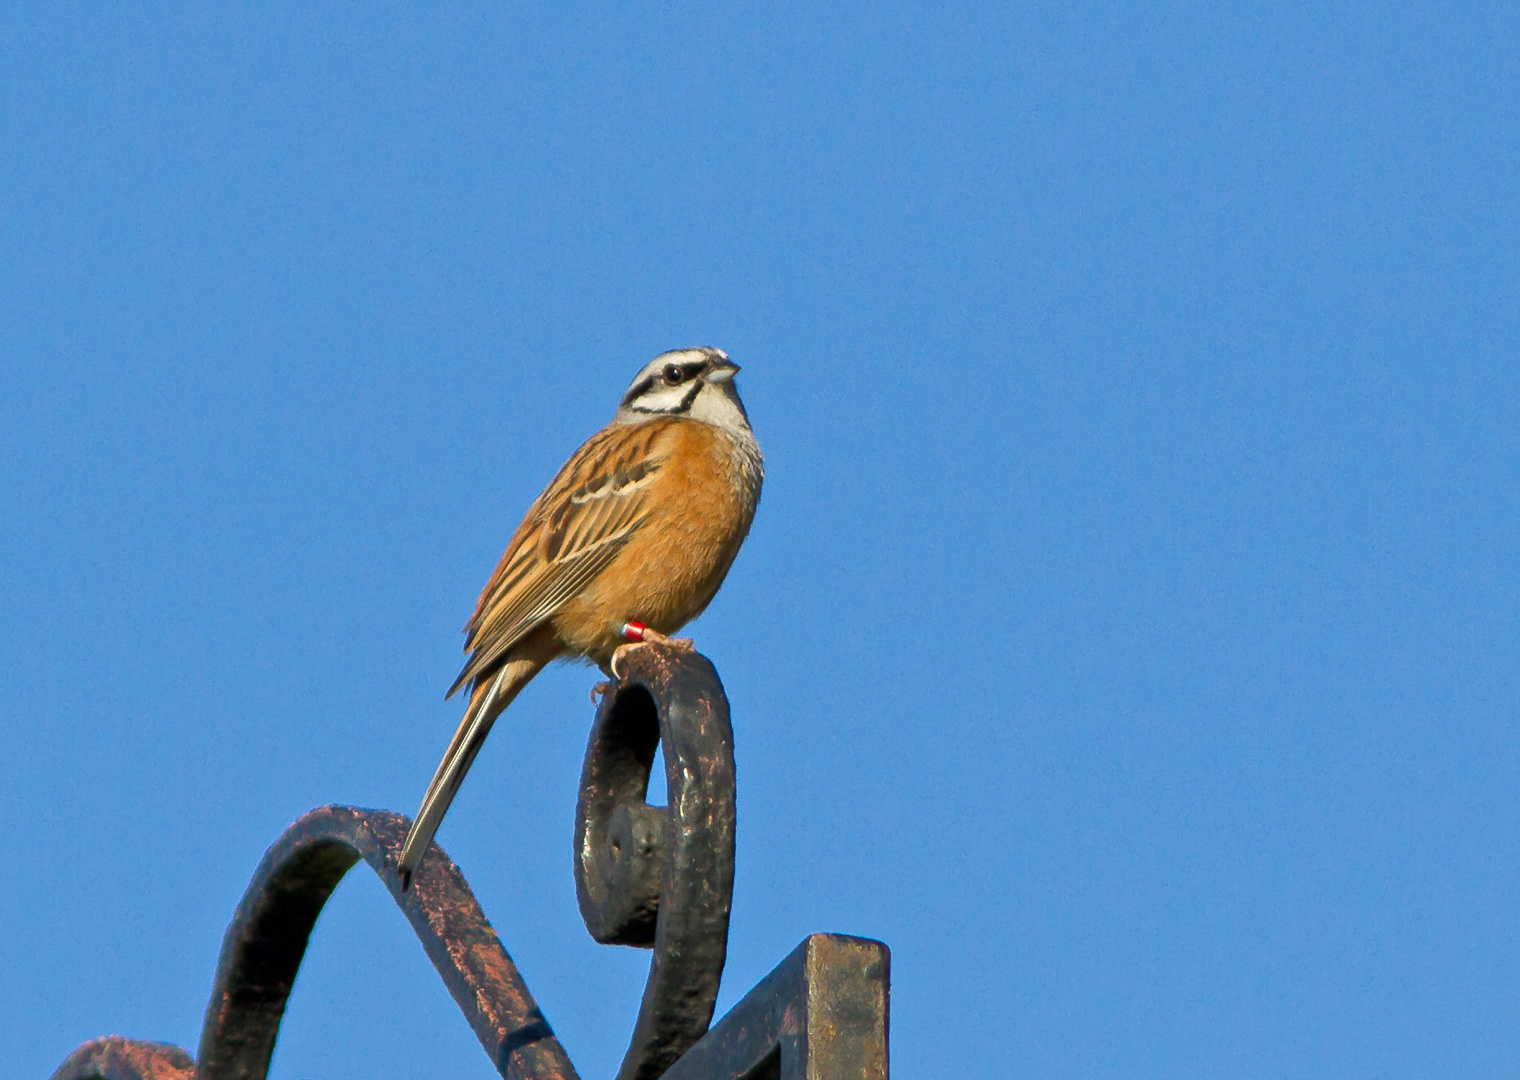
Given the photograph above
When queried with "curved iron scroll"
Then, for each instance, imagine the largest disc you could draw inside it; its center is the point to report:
(264, 946)
(643, 875)
(116, 1058)
(661, 876)
(266, 941)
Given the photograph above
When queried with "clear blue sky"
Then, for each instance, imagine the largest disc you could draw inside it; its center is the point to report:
(1128, 635)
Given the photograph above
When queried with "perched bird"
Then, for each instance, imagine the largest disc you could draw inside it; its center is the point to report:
(637, 531)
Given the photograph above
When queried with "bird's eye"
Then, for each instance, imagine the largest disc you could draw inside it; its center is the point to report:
(672, 375)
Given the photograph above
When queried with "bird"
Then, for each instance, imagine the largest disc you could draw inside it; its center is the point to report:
(628, 543)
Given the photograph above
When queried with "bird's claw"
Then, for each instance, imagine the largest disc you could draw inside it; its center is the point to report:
(600, 690)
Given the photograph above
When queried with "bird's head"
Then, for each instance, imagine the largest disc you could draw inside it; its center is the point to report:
(698, 383)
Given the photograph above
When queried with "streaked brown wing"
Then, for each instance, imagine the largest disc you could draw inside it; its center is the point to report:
(570, 534)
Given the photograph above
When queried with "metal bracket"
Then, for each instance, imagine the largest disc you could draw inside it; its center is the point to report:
(821, 1015)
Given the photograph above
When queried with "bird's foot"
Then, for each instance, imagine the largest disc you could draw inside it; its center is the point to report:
(600, 690)
(654, 637)
(639, 634)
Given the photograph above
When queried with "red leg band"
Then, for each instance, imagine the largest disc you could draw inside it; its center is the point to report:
(634, 631)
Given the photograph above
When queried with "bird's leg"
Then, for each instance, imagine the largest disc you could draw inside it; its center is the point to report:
(639, 634)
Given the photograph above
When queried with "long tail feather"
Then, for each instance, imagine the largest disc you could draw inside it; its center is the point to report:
(467, 741)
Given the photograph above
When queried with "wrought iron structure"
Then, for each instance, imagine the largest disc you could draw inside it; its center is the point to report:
(657, 877)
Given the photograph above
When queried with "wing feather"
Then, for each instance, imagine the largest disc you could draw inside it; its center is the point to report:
(570, 535)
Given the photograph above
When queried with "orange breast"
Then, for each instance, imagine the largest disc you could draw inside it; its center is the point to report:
(700, 511)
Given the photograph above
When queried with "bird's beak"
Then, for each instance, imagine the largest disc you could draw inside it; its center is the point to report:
(721, 372)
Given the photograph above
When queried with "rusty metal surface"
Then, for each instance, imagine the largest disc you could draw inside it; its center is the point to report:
(661, 876)
(264, 946)
(118, 1058)
(821, 1015)
(645, 876)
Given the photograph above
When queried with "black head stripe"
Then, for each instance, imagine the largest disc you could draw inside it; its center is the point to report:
(691, 395)
(638, 388)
